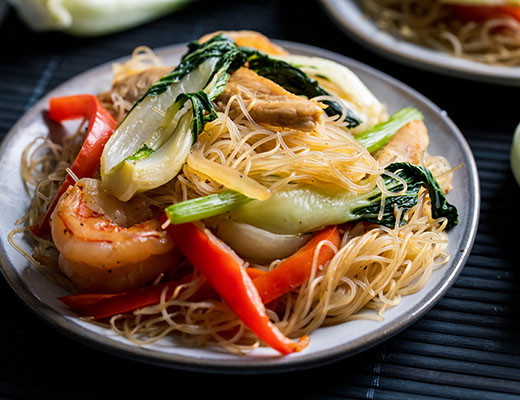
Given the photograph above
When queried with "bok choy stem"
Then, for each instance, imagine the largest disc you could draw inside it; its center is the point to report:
(205, 207)
(378, 136)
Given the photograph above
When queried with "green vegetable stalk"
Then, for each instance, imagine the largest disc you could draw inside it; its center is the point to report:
(378, 136)
(205, 207)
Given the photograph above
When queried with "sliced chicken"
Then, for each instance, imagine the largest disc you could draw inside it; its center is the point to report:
(269, 103)
(134, 86)
(408, 144)
(249, 39)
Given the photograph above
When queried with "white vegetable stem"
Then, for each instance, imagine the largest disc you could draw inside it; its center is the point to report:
(257, 245)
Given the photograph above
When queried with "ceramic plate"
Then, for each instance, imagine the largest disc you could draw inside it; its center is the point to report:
(351, 19)
(327, 344)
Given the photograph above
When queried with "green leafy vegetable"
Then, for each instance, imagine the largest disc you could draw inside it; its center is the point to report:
(378, 136)
(202, 110)
(226, 58)
(141, 154)
(164, 124)
(415, 176)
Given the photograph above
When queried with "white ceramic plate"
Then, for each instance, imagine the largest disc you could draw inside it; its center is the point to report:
(351, 19)
(327, 344)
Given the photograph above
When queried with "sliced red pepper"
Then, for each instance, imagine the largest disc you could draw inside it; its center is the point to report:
(100, 305)
(85, 303)
(224, 271)
(481, 13)
(255, 272)
(103, 305)
(296, 269)
(101, 125)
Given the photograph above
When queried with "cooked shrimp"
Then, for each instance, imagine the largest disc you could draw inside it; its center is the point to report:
(103, 243)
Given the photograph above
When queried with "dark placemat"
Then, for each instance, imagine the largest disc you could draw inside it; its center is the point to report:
(466, 347)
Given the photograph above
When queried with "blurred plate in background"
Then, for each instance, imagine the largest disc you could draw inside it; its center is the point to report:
(351, 19)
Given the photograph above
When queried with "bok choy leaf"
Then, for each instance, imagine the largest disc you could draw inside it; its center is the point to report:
(167, 120)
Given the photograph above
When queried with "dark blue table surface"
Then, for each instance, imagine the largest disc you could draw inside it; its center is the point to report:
(466, 347)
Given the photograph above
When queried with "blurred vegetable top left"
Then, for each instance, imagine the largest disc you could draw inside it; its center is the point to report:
(91, 17)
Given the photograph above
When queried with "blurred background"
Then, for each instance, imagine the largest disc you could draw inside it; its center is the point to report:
(467, 347)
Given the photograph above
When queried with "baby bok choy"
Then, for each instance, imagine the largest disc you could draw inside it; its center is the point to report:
(152, 142)
(306, 208)
(91, 17)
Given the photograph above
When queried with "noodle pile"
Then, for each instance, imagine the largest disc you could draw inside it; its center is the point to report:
(429, 23)
(371, 270)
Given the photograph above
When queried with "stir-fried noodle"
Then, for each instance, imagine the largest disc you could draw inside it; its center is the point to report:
(372, 269)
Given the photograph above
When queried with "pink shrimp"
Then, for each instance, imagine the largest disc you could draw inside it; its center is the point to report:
(107, 245)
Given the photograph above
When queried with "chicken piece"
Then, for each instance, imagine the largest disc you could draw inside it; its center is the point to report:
(269, 103)
(249, 39)
(134, 86)
(408, 144)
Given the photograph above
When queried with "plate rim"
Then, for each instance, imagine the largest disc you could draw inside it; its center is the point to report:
(263, 365)
(405, 52)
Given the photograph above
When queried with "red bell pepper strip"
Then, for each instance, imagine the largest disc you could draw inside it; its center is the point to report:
(296, 269)
(481, 13)
(103, 305)
(224, 271)
(85, 304)
(101, 125)
(255, 272)
(99, 305)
